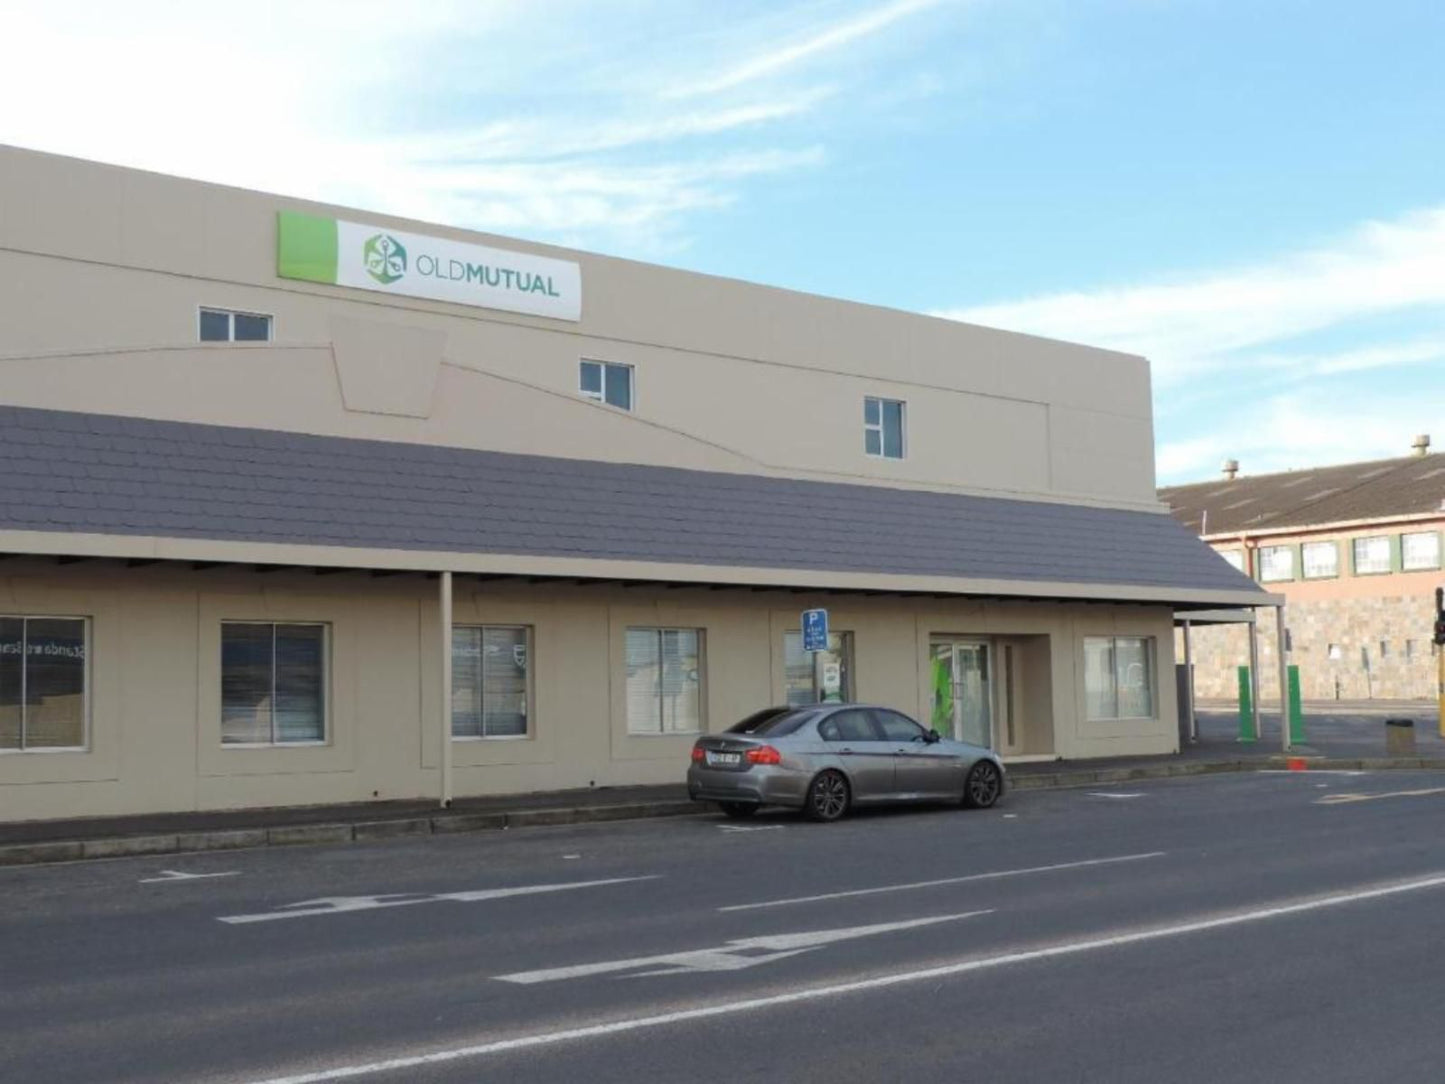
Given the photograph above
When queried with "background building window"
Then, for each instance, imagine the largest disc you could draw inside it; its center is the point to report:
(489, 681)
(1420, 550)
(42, 683)
(607, 383)
(273, 684)
(225, 326)
(883, 428)
(820, 677)
(1234, 557)
(1372, 555)
(1276, 563)
(1321, 560)
(664, 681)
(1119, 677)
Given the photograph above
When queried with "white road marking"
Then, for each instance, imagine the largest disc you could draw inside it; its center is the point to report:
(1341, 799)
(749, 827)
(1010, 816)
(169, 875)
(734, 956)
(1112, 794)
(336, 905)
(994, 875)
(569, 857)
(819, 993)
(1312, 771)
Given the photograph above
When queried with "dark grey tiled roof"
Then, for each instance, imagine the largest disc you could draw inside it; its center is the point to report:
(67, 472)
(1408, 486)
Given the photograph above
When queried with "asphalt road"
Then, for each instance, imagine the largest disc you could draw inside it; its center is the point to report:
(1262, 927)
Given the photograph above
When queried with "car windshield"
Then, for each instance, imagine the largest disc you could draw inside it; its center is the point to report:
(772, 721)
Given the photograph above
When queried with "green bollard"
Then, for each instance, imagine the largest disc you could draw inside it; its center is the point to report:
(1246, 706)
(1296, 709)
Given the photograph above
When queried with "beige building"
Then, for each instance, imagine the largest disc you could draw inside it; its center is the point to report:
(1354, 548)
(301, 504)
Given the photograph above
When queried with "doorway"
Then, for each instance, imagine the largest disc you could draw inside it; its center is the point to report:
(963, 693)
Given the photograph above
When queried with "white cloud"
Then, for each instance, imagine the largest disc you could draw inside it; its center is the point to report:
(826, 40)
(1207, 322)
(444, 110)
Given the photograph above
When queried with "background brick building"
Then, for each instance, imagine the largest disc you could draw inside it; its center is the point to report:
(1355, 548)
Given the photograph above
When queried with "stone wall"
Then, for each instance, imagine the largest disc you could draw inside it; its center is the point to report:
(1346, 649)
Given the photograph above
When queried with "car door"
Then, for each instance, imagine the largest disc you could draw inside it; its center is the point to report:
(852, 736)
(922, 769)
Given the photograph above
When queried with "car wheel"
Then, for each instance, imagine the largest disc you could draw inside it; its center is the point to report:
(737, 810)
(983, 785)
(828, 797)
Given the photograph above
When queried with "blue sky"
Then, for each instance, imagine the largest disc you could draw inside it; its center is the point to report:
(1252, 194)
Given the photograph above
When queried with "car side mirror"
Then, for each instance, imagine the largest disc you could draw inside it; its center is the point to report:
(932, 736)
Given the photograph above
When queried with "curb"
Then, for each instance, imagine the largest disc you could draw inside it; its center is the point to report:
(291, 835)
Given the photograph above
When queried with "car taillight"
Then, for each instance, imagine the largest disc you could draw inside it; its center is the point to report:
(764, 754)
(697, 755)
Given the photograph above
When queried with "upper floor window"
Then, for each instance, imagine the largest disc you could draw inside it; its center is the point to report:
(1321, 560)
(42, 683)
(1276, 563)
(273, 684)
(1419, 551)
(1234, 557)
(883, 428)
(607, 382)
(1372, 555)
(225, 326)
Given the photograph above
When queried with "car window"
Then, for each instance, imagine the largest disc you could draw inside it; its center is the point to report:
(768, 721)
(898, 727)
(847, 726)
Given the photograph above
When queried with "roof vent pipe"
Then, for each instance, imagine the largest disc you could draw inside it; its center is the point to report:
(1230, 468)
(1421, 444)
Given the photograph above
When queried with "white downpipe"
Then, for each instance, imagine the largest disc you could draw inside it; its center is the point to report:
(444, 593)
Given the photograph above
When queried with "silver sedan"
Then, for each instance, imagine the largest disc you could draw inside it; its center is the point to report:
(825, 759)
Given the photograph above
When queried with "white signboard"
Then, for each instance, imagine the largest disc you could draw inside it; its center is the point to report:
(341, 253)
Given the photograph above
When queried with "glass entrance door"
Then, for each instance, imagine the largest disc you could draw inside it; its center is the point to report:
(962, 691)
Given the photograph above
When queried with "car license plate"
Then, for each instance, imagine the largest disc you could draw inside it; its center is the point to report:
(723, 760)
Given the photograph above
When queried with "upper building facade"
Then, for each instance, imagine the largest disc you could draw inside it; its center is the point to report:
(1356, 551)
(301, 503)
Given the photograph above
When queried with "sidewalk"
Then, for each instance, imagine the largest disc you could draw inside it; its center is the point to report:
(1350, 737)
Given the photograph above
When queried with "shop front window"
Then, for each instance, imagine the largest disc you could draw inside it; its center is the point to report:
(818, 677)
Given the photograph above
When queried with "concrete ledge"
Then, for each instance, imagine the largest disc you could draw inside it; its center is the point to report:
(25, 854)
(414, 826)
(228, 839)
(126, 846)
(308, 833)
(468, 822)
(453, 823)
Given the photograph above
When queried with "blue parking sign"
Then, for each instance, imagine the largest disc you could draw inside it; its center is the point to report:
(815, 630)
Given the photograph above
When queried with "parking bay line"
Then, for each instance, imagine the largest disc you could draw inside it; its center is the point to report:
(991, 876)
(819, 993)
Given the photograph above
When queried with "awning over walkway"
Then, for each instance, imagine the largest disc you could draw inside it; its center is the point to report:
(100, 485)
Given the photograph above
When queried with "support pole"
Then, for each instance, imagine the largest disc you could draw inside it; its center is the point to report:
(1189, 685)
(1283, 679)
(1254, 678)
(444, 598)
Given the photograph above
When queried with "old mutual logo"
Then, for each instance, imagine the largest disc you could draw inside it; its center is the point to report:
(385, 258)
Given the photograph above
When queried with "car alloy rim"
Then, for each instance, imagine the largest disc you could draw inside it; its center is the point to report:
(984, 784)
(829, 796)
